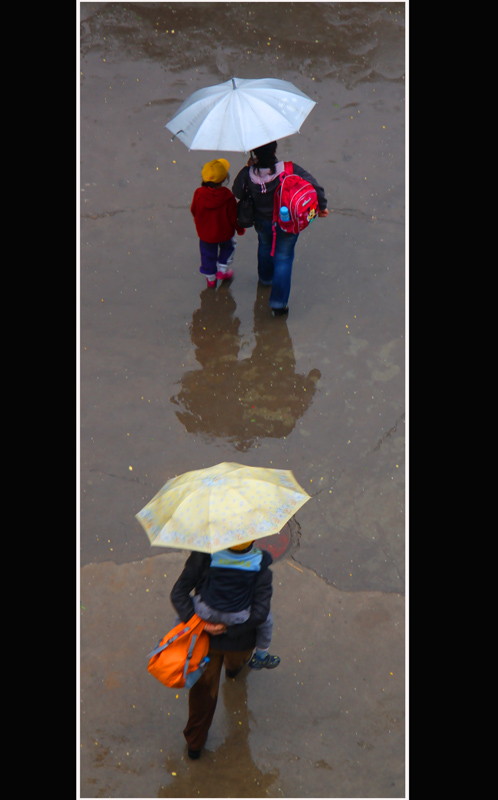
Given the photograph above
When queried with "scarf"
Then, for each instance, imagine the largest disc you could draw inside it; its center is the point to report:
(264, 176)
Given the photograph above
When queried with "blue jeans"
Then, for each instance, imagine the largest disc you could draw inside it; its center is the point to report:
(275, 270)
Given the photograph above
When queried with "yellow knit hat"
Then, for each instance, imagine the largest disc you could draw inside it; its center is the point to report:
(215, 171)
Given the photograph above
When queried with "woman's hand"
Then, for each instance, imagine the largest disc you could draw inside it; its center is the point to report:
(215, 629)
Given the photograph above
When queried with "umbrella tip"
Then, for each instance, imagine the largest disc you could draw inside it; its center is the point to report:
(234, 86)
(176, 134)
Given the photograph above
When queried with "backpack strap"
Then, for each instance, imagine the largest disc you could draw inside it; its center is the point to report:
(189, 655)
(288, 170)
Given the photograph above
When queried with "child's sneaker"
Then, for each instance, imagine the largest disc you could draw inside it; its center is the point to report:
(211, 283)
(224, 275)
(268, 662)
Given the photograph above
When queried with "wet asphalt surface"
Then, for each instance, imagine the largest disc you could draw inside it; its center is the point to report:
(174, 377)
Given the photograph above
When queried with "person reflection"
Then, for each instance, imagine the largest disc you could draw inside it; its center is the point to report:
(242, 400)
(239, 776)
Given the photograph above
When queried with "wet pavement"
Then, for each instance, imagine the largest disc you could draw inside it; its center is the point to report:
(173, 377)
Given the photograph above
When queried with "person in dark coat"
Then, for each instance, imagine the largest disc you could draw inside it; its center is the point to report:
(231, 645)
(261, 177)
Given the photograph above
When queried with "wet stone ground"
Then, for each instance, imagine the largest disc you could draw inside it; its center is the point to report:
(173, 377)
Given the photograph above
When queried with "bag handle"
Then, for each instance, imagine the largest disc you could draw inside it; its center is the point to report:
(192, 623)
(160, 647)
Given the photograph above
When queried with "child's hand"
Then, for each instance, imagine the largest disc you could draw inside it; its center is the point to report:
(215, 629)
(323, 213)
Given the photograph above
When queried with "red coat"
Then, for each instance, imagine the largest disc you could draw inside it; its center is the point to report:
(215, 214)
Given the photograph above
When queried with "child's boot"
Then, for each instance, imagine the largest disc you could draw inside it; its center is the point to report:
(224, 274)
(211, 281)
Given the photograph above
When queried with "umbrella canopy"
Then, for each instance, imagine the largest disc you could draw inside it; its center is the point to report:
(240, 114)
(221, 506)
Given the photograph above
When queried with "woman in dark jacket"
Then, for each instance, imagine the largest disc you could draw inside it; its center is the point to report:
(232, 645)
(261, 177)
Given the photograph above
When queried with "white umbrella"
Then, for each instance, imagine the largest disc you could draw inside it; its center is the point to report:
(240, 114)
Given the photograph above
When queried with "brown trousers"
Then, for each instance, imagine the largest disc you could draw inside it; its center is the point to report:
(203, 695)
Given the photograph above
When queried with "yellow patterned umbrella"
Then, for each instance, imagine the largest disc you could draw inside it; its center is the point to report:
(221, 506)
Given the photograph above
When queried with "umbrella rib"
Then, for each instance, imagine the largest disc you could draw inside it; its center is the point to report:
(229, 118)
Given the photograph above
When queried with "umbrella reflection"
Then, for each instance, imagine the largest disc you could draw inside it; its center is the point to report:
(236, 398)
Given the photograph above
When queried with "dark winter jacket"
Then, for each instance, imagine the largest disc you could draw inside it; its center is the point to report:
(230, 581)
(237, 637)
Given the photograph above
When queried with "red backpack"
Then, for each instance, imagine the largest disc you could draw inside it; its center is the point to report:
(300, 198)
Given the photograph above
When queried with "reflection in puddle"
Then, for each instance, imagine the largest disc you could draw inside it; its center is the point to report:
(228, 770)
(242, 399)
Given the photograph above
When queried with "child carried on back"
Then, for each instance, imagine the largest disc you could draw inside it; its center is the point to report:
(226, 594)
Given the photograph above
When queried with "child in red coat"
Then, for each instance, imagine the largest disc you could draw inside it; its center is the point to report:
(214, 209)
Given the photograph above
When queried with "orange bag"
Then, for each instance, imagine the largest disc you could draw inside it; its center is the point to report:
(180, 658)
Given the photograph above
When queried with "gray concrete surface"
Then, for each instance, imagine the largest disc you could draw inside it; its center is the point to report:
(328, 722)
(172, 379)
